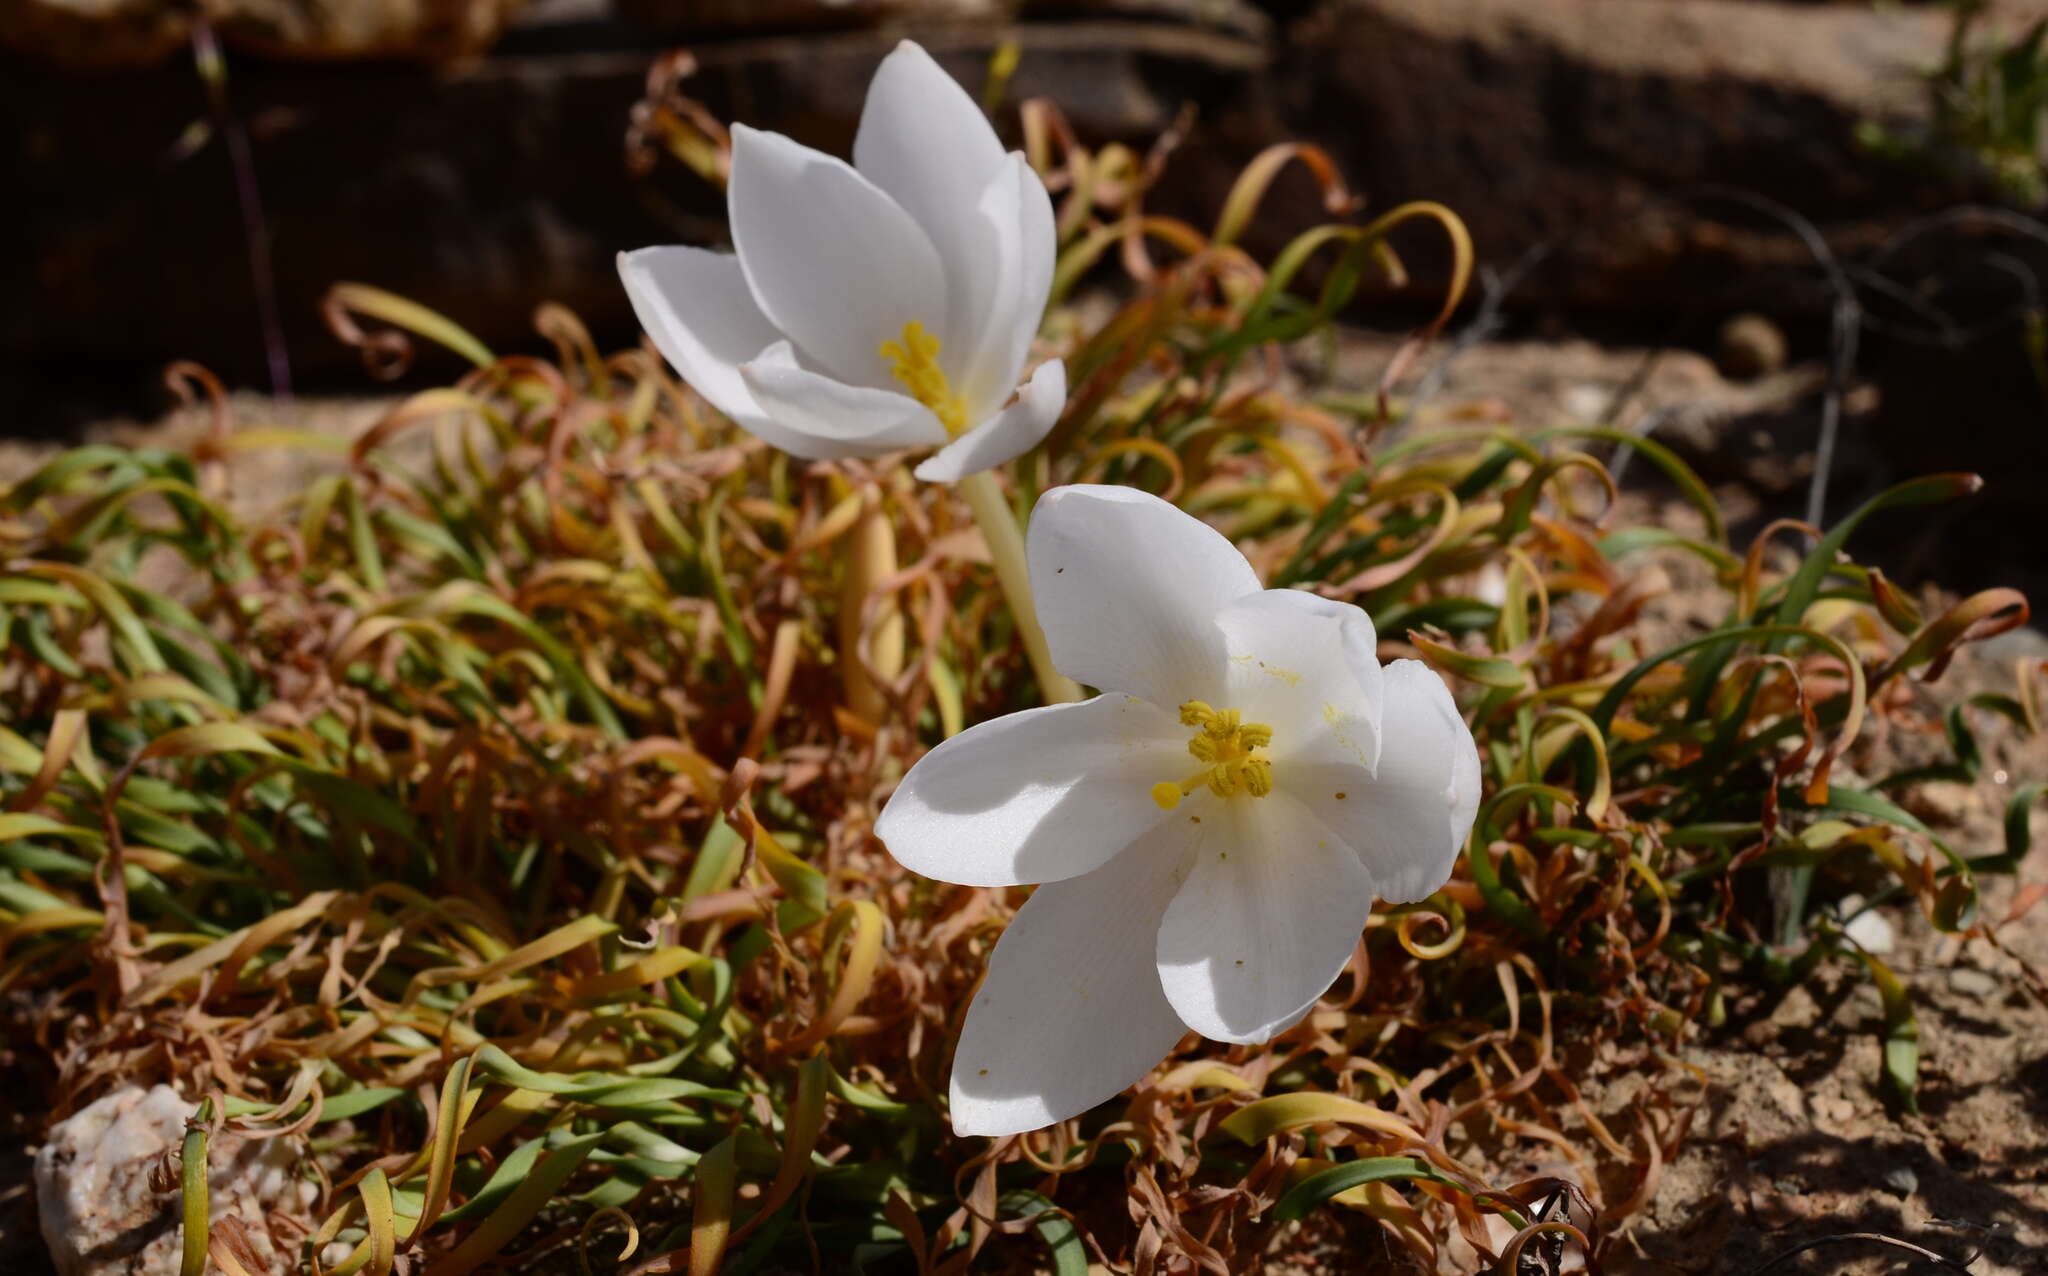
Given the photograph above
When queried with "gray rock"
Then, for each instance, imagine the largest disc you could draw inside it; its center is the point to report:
(1970, 982)
(1751, 346)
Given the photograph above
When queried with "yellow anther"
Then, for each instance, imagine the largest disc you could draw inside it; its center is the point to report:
(1224, 744)
(915, 362)
(1258, 776)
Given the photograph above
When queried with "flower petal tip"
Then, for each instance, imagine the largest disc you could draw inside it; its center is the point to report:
(995, 1116)
(1008, 434)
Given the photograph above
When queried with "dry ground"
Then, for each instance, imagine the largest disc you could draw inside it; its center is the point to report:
(1795, 1142)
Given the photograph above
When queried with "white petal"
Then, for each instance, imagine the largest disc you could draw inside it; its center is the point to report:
(1010, 433)
(1013, 259)
(1034, 796)
(1409, 822)
(696, 305)
(820, 418)
(834, 263)
(1309, 668)
(1071, 1011)
(1272, 906)
(922, 138)
(1128, 588)
(1040, 247)
(925, 143)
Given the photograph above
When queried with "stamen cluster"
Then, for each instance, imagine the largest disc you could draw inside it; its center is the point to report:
(915, 362)
(1226, 744)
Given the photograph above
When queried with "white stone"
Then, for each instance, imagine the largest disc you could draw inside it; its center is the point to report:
(1871, 930)
(101, 1215)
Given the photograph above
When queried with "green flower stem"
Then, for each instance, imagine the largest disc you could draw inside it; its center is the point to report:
(1006, 548)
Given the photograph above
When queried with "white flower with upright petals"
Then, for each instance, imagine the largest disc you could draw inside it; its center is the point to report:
(1211, 830)
(877, 306)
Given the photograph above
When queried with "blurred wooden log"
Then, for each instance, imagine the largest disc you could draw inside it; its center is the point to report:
(1580, 124)
(102, 34)
(486, 187)
(480, 190)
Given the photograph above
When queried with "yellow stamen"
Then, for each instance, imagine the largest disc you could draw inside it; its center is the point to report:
(915, 362)
(1226, 746)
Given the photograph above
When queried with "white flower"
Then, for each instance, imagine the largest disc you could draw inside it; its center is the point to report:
(874, 307)
(1211, 830)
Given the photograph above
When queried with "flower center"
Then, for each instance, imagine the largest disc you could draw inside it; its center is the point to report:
(915, 362)
(1228, 750)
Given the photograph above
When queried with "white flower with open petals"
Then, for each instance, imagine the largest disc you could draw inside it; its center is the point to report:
(1210, 831)
(877, 306)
